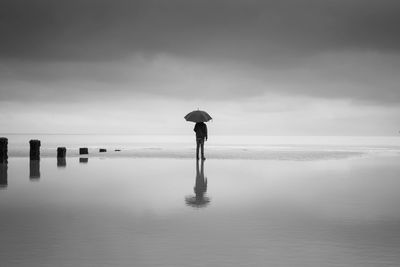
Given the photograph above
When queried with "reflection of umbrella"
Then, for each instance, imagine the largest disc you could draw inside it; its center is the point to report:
(198, 116)
(197, 201)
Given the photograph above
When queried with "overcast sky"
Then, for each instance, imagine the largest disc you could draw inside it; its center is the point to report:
(298, 67)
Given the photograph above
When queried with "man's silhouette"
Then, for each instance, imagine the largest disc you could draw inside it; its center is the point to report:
(201, 134)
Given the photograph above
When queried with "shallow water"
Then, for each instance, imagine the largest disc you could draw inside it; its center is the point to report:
(166, 212)
(299, 148)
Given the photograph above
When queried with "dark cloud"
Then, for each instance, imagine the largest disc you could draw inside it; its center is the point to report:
(361, 77)
(226, 49)
(247, 30)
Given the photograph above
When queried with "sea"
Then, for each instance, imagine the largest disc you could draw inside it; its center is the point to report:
(147, 201)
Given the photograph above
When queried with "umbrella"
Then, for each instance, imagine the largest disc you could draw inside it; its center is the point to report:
(198, 116)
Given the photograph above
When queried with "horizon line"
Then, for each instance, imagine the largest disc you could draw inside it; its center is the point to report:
(143, 134)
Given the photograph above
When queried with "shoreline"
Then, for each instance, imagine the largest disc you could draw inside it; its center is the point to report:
(280, 155)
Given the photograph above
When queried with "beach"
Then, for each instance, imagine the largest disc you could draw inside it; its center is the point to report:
(199, 133)
(136, 209)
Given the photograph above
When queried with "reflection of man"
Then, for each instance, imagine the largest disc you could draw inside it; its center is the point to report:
(201, 134)
(201, 182)
(200, 188)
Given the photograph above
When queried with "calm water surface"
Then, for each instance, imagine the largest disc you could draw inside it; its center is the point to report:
(171, 212)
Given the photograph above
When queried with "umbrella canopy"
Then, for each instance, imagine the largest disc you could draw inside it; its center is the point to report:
(198, 116)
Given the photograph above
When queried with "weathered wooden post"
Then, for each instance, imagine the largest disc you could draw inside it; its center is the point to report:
(3, 175)
(35, 149)
(3, 162)
(3, 150)
(34, 169)
(61, 152)
(83, 151)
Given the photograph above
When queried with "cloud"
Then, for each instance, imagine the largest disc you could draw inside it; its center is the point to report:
(244, 30)
(93, 50)
(360, 77)
(273, 115)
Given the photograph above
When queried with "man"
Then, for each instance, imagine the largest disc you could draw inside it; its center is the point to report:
(201, 133)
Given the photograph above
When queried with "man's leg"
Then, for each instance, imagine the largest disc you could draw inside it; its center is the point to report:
(197, 148)
(202, 149)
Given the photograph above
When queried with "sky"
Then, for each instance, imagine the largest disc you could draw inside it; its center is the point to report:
(287, 67)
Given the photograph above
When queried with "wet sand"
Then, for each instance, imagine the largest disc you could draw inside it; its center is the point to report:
(168, 212)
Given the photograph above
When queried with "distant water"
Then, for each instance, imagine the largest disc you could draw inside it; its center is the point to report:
(111, 211)
(221, 147)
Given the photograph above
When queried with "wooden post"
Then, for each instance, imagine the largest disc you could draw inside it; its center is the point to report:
(83, 151)
(61, 152)
(3, 175)
(3, 150)
(35, 149)
(34, 169)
